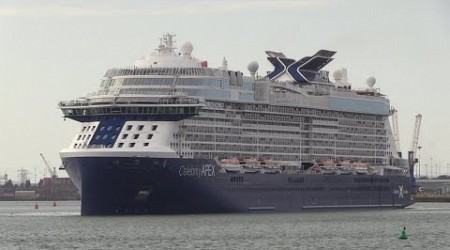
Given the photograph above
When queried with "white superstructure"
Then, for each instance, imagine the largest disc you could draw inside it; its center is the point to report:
(171, 105)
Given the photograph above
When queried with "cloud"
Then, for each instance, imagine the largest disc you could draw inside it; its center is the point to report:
(154, 8)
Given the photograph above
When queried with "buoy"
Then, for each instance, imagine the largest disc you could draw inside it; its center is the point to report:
(403, 235)
(36, 206)
(54, 203)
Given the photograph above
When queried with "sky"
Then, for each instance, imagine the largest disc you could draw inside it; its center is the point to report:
(59, 50)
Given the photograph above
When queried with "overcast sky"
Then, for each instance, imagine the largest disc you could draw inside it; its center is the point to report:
(59, 50)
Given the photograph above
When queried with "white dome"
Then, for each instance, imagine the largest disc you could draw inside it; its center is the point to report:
(253, 66)
(338, 74)
(186, 49)
(370, 81)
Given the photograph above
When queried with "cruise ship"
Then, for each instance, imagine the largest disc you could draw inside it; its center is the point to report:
(170, 135)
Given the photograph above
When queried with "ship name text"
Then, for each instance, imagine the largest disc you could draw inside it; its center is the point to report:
(206, 170)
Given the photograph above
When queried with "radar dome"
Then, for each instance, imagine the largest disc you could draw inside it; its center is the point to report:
(370, 81)
(186, 49)
(338, 74)
(253, 67)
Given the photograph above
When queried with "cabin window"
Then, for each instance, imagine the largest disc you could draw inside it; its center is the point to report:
(154, 127)
(150, 136)
(135, 136)
(132, 145)
(140, 127)
(124, 136)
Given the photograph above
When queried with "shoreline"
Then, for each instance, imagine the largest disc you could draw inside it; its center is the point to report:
(432, 198)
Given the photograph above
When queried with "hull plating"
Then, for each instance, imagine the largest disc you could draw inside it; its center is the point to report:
(171, 186)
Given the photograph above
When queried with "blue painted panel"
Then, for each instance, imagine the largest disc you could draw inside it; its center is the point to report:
(293, 71)
(316, 64)
(278, 67)
(107, 131)
(359, 106)
(246, 96)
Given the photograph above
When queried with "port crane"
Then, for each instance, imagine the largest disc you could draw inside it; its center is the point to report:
(396, 133)
(415, 137)
(412, 160)
(51, 170)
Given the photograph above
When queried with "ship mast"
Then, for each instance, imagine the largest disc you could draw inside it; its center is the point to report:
(166, 44)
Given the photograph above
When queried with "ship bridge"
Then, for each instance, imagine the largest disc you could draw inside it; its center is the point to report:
(140, 108)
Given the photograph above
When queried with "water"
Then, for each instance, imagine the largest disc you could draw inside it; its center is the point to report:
(62, 227)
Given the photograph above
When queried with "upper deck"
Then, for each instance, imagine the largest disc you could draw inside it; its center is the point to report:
(170, 82)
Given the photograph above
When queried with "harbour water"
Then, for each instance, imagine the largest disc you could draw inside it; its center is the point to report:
(61, 227)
